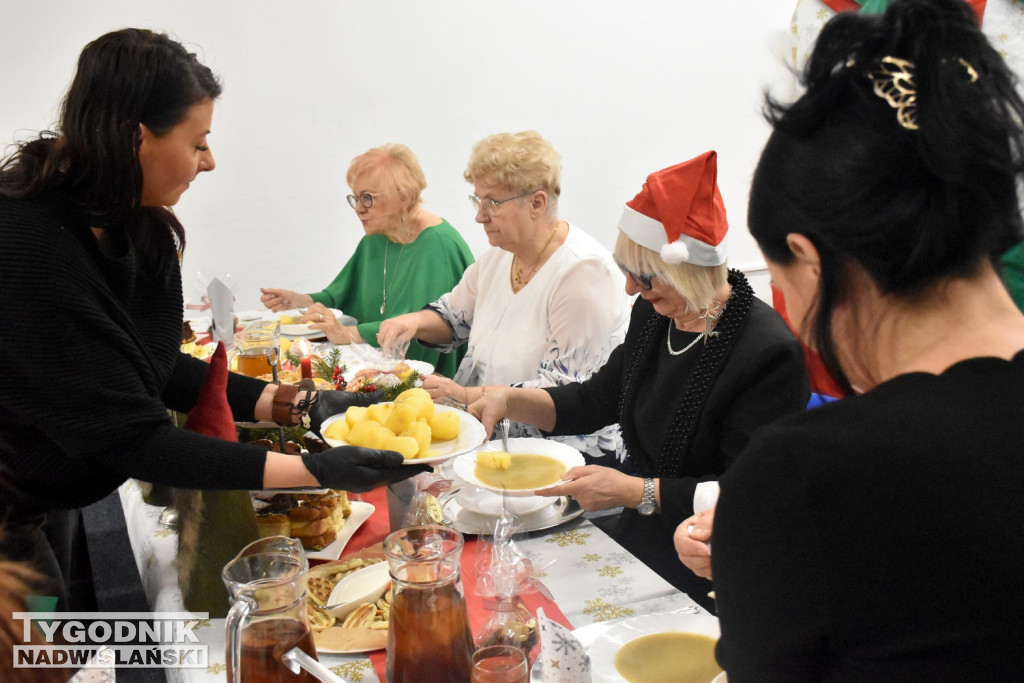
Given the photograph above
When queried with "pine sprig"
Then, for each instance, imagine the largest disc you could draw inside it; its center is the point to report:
(324, 367)
(408, 383)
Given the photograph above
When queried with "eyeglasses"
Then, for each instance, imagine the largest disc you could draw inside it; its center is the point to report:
(366, 199)
(642, 280)
(490, 205)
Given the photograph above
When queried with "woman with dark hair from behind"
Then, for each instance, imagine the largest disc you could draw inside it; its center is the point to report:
(92, 288)
(879, 537)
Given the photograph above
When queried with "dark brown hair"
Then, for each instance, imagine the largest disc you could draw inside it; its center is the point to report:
(124, 78)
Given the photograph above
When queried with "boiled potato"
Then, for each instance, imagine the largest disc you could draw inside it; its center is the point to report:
(420, 431)
(414, 393)
(337, 430)
(355, 414)
(420, 398)
(406, 445)
(495, 460)
(401, 417)
(369, 434)
(379, 413)
(444, 426)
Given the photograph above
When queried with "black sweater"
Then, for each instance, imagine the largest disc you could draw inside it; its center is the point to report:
(644, 388)
(91, 366)
(879, 538)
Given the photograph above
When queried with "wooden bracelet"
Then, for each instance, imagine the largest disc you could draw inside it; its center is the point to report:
(281, 412)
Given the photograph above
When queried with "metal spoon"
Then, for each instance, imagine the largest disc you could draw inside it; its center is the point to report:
(503, 429)
(295, 659)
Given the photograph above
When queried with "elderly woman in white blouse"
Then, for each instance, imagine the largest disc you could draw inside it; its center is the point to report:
(545, 305)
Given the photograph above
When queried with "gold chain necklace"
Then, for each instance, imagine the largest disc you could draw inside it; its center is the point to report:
(517, 277)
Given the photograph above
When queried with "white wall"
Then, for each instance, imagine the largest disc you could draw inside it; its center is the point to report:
(620, 88)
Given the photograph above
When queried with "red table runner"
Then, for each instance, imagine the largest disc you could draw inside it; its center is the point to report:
(377, 527)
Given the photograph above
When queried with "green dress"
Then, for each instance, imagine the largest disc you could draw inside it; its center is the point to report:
(417, 273)
(1012, 266)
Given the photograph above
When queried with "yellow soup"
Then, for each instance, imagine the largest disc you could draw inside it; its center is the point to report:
(671, 657)
(527, 471)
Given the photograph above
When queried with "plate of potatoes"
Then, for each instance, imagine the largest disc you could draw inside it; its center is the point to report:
(423, 432)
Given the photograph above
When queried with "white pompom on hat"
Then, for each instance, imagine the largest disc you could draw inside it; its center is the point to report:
(679, 213)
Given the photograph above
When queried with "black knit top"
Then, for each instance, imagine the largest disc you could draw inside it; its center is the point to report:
(91, 366)
(686, 418)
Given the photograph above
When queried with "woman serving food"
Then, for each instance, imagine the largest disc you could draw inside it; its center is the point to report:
(407, 258)
(704, 364)
(543, 306)
(85, 210)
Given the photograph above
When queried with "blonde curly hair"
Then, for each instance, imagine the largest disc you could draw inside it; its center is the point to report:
(520, 162)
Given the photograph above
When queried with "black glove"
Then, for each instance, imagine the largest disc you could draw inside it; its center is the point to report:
(330, 403)
(358, 469)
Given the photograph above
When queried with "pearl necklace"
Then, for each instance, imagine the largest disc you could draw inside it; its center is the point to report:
(668, 342)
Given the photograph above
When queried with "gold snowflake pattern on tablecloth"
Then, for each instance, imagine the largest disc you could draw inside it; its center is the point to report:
(564, 539)
(600, 610)
(216, 668)
(591, 557)
(163, 533)
(610, 571)
(353, 671)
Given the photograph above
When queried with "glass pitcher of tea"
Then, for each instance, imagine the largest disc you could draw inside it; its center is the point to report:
(267, 585)
(429, 638)
(256, 349)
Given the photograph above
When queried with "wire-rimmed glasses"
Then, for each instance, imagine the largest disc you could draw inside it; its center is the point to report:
(489, 205)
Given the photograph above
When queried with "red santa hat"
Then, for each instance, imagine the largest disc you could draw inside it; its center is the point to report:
(679, 213)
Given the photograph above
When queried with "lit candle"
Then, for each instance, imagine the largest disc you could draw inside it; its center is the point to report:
(307, 367)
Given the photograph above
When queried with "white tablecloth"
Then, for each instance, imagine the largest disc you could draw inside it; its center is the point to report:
(591, 577)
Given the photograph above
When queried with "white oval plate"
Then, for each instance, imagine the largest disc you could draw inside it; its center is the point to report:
(488, 503)
(301, 331)
(361, 586)
(471, 435)
(422, 367)
(604, 648)
(465, 465)
(361, 512)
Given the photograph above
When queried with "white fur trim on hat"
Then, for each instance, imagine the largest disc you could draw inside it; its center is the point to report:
(642, 229)
(650, 233)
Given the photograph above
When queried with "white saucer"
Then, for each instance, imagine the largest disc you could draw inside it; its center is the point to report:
(488, 503)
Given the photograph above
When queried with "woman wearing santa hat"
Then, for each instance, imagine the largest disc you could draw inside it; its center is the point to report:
(704, 364)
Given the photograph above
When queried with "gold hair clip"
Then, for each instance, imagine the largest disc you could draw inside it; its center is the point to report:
(971, 73)
(893, 80)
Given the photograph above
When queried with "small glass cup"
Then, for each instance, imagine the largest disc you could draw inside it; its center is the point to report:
(500, 664)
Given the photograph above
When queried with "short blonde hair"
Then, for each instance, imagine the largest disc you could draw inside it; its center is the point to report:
(696, 284)
(522, 162)
(395, 167)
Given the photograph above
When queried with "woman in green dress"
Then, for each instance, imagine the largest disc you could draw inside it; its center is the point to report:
(378, 282)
